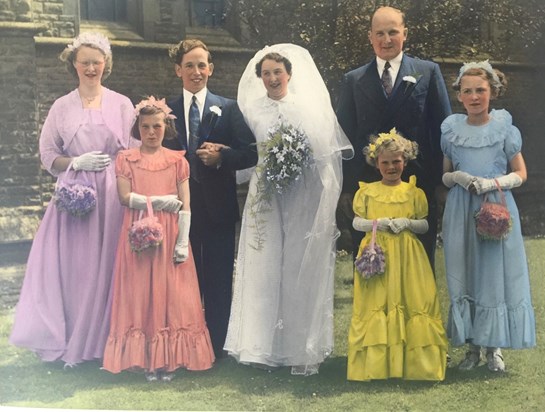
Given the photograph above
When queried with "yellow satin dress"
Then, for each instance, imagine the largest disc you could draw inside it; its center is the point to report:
(396, 329)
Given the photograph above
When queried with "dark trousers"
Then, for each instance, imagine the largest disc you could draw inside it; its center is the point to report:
(213, 246)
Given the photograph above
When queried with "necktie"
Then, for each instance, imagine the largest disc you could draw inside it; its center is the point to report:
(193, 138)
(387, 79)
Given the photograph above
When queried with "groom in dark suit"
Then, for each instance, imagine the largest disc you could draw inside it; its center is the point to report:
(394, 90)
(217, 142)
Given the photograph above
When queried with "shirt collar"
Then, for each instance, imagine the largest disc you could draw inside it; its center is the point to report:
(395, 63)
(200, 95)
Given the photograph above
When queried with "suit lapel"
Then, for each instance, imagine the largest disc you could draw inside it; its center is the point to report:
(177, 107)
(206, 126)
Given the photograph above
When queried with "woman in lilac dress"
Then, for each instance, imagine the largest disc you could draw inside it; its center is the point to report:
(64, 308)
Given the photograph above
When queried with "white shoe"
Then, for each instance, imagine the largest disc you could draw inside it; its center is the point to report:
(494, 359)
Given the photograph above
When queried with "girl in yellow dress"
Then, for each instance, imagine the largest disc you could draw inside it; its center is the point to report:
(396, 329)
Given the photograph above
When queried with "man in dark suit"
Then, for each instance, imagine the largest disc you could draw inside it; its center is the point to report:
(218, 142)
(409, 95)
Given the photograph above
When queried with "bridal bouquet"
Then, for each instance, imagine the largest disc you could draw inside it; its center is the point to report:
(286, 153)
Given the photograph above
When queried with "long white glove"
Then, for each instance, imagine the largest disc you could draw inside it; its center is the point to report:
(168, 203)
(509, 181)
(458, 177)
(366, 225)
(93, 161)
(414, 225)
(181, 250)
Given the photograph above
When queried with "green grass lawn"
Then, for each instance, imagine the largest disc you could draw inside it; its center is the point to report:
(27, 382)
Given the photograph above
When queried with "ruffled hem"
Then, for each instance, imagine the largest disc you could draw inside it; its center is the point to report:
(161, 160)
(166, 350)
(388, 194)
(456, 130)
(500, 327)
(390, 347)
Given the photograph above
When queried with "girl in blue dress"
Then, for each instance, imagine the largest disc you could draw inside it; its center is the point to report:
(488, 283)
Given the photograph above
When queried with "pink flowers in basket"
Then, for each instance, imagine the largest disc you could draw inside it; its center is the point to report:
(147, 232)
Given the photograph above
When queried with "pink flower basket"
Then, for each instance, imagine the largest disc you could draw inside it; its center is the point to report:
(372, 260)
(493, 220)
(146, 232)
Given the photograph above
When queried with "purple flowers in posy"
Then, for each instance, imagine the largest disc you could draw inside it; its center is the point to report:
(78, 199)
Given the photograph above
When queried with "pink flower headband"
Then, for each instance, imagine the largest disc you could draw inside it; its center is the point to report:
(95, 39)
(153, 102)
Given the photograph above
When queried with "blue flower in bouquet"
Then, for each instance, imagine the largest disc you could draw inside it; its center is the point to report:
(78, 199)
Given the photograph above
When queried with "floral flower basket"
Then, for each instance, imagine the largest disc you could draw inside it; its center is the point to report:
(372, 260)
(145, 232)
(493, 220)
(74, 196)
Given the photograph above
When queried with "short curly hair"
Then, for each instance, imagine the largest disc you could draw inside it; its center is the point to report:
(389, 142)
(176, 53)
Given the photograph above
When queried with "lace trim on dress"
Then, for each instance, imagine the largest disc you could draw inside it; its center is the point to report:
(456, 130)
(161, 160)
(393, 194)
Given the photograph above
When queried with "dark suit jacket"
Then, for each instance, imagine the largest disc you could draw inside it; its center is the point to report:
(230, 129)
(416, 110)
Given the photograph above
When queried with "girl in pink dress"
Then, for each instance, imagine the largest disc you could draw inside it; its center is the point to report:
(157, 322)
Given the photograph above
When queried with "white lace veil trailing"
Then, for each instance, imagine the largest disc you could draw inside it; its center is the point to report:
(292, 275)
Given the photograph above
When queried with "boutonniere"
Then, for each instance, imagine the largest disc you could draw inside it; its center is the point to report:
(216, 110)
(411, 79)
(215, 115)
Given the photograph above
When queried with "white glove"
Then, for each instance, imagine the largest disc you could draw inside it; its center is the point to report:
(383, 224)
(362, 225)
(399, 224)
(458, 177)
(168, 203)
(509, 181)
(91, 162)
(181, 250)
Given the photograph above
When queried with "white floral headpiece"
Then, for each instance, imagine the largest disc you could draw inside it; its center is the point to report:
(95, 39)
(483, 65)
(159, 104)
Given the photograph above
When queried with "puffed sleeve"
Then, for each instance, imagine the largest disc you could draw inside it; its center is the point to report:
(359, 204)
(122, 167)
(182, 170)
(420, 204)
(513, 142)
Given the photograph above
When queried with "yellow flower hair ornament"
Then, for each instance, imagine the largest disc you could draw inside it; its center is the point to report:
(374, 146)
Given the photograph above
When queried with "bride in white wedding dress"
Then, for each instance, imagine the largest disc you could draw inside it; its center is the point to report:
(282, 310)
